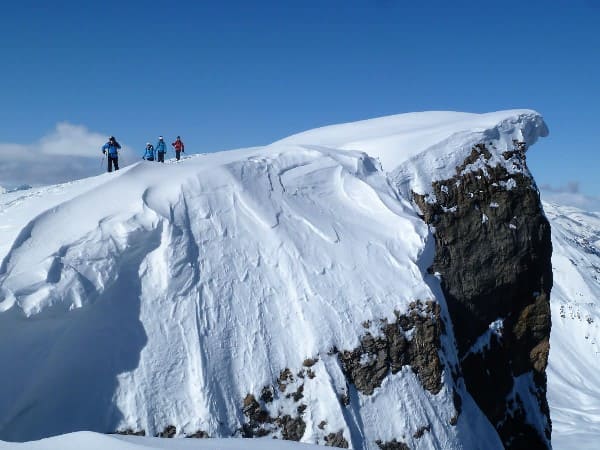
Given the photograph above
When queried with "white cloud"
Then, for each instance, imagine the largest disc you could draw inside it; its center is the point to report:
(72, 140)
(68, 153)
(570, 195)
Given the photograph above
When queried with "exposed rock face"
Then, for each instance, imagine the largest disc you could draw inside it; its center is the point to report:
(169, 432)
(336, 440)
(367, 365)
(130, 432)
(493, 252)
(392, 445)
(260, 422)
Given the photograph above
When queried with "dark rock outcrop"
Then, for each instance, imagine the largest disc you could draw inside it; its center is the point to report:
(392, 445)
(130, 432)
(493, 252)
(169, 432)
(336, 440)
(259, 422)
(200, 434)
(377, 356)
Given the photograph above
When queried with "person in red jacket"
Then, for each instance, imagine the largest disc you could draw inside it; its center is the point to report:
(179, 147)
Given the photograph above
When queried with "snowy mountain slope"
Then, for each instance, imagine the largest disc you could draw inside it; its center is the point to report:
(197, 292)
(574, 364)
(279, 290)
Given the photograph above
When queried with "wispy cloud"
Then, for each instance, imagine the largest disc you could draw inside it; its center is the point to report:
(570, 195)
(69, 152)
(572, 187)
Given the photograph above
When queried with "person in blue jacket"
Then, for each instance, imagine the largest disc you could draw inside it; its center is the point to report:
(111, 149)
(161, 149)
(149, 153)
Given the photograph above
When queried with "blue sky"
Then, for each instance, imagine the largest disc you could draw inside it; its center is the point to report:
(238, 73)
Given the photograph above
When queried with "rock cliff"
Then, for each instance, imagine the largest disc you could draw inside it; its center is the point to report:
(493, 255)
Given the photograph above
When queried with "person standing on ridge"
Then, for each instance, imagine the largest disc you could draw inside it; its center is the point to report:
(179, 147)
(161, 149)
(112, 148)
(149, 153)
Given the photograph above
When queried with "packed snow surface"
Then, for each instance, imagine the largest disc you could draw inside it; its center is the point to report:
(164, 294)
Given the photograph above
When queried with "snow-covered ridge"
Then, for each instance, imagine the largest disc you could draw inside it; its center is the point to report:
(197, 283)
(427, 146)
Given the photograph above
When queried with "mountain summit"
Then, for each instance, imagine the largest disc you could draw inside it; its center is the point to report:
(381, 284)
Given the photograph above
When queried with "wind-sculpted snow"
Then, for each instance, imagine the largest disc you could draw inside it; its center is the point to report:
(419, 148)
(165, 295)
(170, 298)
(574, 365)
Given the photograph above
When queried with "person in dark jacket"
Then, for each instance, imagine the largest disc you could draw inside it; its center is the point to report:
(179, 147)
(161, 149)
(111, 150)
(149, 152)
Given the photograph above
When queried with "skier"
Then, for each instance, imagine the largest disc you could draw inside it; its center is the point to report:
(112, 148)
(179, 147)
(149, 153)
(161, 149)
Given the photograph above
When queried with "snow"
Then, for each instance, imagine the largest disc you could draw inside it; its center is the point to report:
(483, 341)
(452, 209)
(421, 147)
(96, 441)
(164, 294)
(509, 184)
(574, 363)
(191, 292)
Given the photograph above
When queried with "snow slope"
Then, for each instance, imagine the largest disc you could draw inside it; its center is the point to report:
(163, 295)
(574, 363)
(86, 440)
(166, 302)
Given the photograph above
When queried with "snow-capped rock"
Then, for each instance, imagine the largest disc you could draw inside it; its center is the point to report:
(280, 291)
